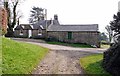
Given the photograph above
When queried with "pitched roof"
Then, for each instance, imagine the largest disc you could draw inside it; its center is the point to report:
(41, 23)
(24, 27)
(85, 27)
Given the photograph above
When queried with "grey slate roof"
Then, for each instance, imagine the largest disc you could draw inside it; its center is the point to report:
(24, 27)
(42, 23)
(54, 25)
(87, 27)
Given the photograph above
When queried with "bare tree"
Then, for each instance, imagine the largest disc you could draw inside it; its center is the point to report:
(11, 7)
(19, 15)
(109, 33)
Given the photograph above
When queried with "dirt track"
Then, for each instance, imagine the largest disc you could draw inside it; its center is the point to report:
(61, 62)
(61, 59)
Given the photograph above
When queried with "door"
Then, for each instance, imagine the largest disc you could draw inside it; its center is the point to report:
(29, 33)
(69, 35)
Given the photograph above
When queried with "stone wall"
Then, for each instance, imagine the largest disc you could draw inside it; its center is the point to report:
(24, 32)
(91, 38)
(35, 34)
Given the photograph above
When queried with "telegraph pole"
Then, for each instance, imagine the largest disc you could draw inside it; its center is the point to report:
(119, 6)
(46, 24)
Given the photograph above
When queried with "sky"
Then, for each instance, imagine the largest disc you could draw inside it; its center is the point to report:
(74, 11)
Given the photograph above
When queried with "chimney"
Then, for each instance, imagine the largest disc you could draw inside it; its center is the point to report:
(55, 17)
(51, 21)
(42, 18)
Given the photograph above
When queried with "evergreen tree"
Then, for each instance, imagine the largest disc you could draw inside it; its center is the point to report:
(36, 15)
(111, 60)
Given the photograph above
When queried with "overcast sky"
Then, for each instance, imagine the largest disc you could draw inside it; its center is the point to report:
(74, 11)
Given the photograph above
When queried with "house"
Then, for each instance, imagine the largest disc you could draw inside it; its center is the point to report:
(23, 30)
(87, 33)
(36, 30)
(53, 30)
(39, 29)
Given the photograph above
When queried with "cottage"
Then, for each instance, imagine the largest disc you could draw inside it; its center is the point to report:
(53, 30)
(36, 30)
(74, 33)
(23, 30)
(39, 29)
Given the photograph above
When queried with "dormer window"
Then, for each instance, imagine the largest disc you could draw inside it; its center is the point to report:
(21, 32)
(41, 27)
(23, 27)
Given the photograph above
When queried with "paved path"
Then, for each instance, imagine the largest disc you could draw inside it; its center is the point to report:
(61, 59)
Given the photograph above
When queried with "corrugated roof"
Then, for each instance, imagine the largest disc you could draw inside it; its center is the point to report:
(87, 27)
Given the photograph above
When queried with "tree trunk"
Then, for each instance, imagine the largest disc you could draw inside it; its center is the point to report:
(10, 32)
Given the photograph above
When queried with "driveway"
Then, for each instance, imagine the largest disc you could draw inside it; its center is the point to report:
(61, 59)
(59, 47)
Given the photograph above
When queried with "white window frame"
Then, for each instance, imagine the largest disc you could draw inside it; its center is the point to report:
(21, 33)
(39, 32)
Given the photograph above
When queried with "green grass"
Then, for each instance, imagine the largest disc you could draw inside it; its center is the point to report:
(105, 46)
(71, 44)
(20, 57)
(93, 64)
(0, 56)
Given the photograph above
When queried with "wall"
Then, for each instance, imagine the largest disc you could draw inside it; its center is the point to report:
(17, 33)
(35, 34)
(91, 38)
(3, 20)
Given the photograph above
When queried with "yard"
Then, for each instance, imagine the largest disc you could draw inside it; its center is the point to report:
(19, 57)
(93, 64)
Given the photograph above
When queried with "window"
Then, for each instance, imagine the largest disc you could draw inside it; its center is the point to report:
(69, 35)
(39, 32)
(21, 32)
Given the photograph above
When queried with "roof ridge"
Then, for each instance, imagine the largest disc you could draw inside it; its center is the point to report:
(80, 25)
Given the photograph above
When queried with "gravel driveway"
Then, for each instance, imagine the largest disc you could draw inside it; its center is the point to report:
(61, 59)
(61, 62)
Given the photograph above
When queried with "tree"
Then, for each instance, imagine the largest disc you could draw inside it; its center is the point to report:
(6, 6)
(19, 15)
(11, 7)
(103, 37)
(111, 59)
(36, 15)
(109, 32)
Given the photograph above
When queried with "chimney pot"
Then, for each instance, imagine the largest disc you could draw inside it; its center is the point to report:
(55, 17)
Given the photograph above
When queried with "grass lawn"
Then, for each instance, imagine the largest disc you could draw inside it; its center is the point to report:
(0, 56)
(20, 57)
(92, 64)
(71, 44)
(105, 46)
